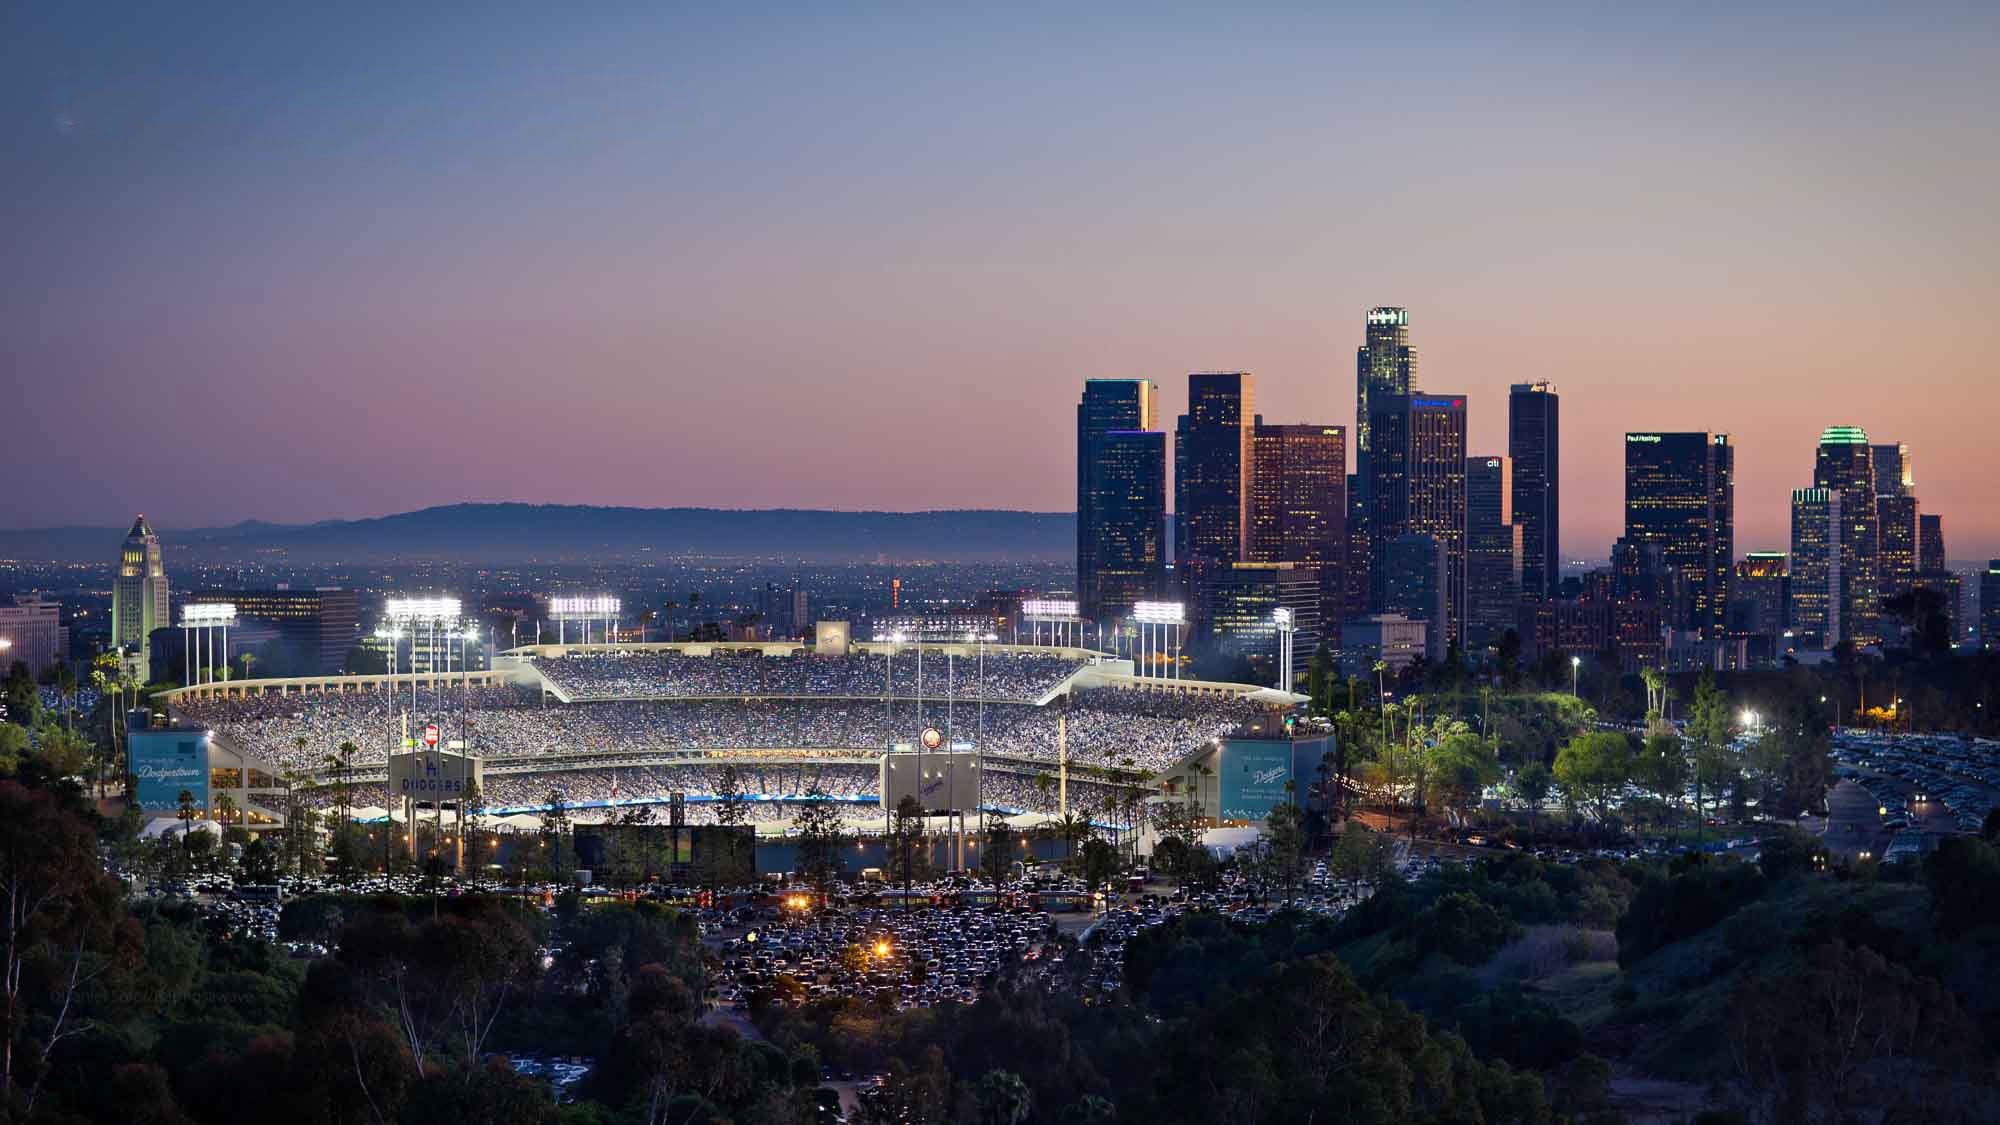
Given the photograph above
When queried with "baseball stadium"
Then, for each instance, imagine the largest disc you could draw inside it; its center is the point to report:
(1040, 730)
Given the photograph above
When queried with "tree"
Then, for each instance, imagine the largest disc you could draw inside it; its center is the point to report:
(1594, 768)
(1661, 767)
(1362, 855)
(906, 833)
(446, 978)
(821, 833)
(732, 809)
(1285, 836)
(61, 914)
(998, 857)
(1458, 768)
(13, 747)
(184, 805)
(1100, 861)
(1849, 1036)
(1715, 767)
(1531, 784)
(555, 828)
(1002, 1098)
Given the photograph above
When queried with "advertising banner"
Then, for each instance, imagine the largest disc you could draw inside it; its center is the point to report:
(167, 762)
(1254, 773)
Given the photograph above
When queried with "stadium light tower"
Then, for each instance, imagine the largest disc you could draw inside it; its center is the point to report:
(1159, 632)
(207, 618)
(1062, 616)
(1282, 618)
(422, 617)
(585, 609)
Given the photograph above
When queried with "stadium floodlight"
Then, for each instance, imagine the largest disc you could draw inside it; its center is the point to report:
(1282, 617)
(421, 609)
(207, 615)
(1049, 607)
(595, 605)
(1159, 613)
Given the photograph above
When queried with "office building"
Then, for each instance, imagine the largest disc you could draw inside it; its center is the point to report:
(1121, 496)
(1893, 473)
(1845, 463)
(314, 629)
(1494, 546)
(1564, 628)
(1680, 495)
(1360, 560)
(1415, 584)
(1212, 466)
(1533, 447)
(1384, 364)
(1419, 489)
(1390, 638)
(1298, 504)
(1817, 558)
(1236, 613)
(1757, 598)
(1930, 544)
(139, 593)
(32, 633)
(1897, 535)
(1989, 604)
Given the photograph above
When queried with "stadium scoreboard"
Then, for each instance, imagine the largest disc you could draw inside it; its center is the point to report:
(946, 782)
(434, 775)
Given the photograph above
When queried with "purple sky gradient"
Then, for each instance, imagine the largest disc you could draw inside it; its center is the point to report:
(294, 266)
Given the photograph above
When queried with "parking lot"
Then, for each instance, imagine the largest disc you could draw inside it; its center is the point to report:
(1921, 783)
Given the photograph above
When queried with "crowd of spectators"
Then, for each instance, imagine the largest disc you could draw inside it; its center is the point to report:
(670, 675)
(773, 792)
(1108, 728)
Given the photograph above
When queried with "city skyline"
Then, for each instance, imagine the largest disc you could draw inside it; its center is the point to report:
(852, 229)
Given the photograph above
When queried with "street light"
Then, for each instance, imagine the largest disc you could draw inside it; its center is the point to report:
(1575, 668)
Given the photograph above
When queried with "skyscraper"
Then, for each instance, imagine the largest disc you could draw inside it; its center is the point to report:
(1895, 519)
(1757, 602)
(1121, 496)
(1896, 543)
(1680, 494)
(1845, 463)
(1930, 544)
(1212, 467)
(1236, 612)
(1893, 473)
(139, 595)
(1415, 585)
(1989, 604)
(316, 629)
(1418, 467)
(1384, 364)
(1533, 446)
(1817, 556)
(1298, 504)
(1493, 550)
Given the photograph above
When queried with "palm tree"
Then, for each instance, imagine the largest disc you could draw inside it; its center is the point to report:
(1071, 828)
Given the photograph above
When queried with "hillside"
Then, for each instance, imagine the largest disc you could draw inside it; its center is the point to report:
(518, 533)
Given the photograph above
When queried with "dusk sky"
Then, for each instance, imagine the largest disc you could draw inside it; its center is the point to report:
(293, 262)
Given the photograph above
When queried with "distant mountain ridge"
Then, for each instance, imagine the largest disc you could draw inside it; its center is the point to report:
(514, 533)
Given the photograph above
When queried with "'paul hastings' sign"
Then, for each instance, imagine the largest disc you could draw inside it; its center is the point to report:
(434, 775)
